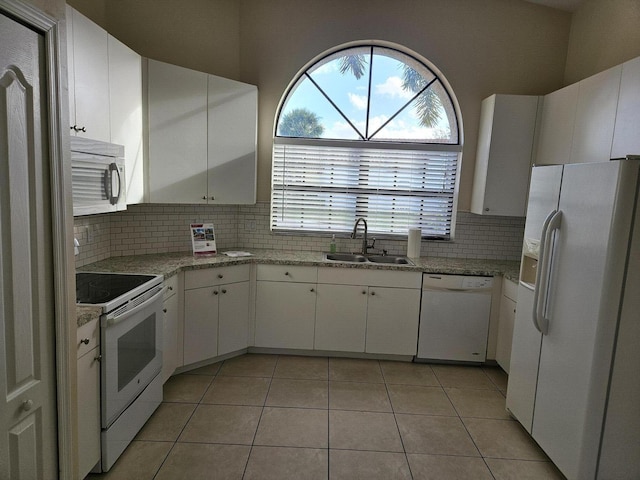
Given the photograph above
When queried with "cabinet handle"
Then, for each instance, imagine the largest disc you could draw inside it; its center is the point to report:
(76, 129)
(164, 310)
(85, 341)
(215, 292)
(220, 275)
(224, 291)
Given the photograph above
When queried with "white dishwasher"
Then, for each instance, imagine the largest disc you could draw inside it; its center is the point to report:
(454, 318)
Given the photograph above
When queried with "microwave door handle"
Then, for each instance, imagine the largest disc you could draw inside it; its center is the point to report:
(113, 199)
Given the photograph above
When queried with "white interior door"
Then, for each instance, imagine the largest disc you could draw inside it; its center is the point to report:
(28, 448)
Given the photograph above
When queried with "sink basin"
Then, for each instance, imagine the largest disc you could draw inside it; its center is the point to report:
(345, 257)
(389, 259)
(357, 258)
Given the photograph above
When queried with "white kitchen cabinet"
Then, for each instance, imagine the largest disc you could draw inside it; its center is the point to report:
(392, 320)
(88, 77)
(216, 312)
(171, 359)
(595, 116)
(341, 318)
(125, 107)
(88, 406)
(626, 140)
(375, 311)
(504, 154)
(202, 137)
(232, 113)
(557, 122)
(508, 302)
(177, 159)
(285, 306)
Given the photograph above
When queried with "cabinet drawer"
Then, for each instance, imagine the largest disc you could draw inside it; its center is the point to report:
(88, 337)
(172, 286)
(510, 290)
(216, 276)
(287, 273)
(374, 278)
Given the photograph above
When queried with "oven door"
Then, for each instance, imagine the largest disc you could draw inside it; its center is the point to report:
(131, 354)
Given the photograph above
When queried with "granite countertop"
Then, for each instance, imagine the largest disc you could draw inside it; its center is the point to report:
(169, 264)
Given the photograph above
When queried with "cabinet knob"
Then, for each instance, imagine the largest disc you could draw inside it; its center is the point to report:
(212, 197)
(486, 209)
(312, 290)
(224, 291)
(85, 341)
(204, 197)
(170, 288)
(373, 293)
(98, 358)
(27, 405)
(364, 292)
(286, 273)
(164, 310)
(220, 275)
(215, 292)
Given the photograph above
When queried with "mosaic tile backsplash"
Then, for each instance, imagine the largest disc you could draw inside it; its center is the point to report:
(159, 228)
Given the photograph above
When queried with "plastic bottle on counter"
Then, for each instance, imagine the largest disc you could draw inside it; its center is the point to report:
(332, 244)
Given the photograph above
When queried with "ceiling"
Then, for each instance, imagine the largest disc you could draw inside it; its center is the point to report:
(568, 5)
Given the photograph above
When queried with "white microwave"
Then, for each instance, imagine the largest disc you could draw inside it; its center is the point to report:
(98, 180)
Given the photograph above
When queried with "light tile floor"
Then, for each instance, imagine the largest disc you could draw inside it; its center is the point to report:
(287, 417)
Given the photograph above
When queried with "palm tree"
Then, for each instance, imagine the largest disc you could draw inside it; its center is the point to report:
(301, 122)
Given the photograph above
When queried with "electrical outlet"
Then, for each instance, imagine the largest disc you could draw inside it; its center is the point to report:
(250, 225)
(90, 233)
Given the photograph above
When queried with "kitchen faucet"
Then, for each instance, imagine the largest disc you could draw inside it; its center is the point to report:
(365, 243)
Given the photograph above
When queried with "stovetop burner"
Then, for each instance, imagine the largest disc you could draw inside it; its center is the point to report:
(98, 288)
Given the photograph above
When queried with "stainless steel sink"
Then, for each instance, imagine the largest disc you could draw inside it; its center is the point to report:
(345, 257)
(357, 258)
(389, 259)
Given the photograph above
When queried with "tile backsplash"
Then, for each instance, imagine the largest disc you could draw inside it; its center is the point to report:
(159, 228)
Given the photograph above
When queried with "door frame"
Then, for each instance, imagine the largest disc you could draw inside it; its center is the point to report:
(61, 222)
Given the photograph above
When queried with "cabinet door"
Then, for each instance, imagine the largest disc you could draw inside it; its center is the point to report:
(88, 411)
(596, 116)
(177, 134)
(503, 160)
(200, 324)
(232, 126)
(392, 320)
(91, 78)
(125, 104)
(170, 339)
(233, 325)
(341, 318)
(556, 126)
(285, 315)
(625, 135)
(505, 332)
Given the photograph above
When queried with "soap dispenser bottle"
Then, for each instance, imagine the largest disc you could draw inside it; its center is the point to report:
(332, 244)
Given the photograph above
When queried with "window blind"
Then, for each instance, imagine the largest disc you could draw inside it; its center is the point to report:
(324, 187)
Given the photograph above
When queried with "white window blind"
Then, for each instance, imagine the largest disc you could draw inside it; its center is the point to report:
(324, 186)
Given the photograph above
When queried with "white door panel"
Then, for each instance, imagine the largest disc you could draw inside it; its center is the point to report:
(27, 379)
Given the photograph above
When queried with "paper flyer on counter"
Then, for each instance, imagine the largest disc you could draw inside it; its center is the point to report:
(203, 239)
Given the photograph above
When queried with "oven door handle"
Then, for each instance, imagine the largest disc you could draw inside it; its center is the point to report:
(120, 316)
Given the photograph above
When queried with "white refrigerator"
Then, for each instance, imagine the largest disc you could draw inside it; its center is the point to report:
(574, 382)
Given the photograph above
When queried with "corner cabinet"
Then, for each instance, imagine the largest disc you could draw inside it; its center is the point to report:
(503, 160)
(202, 137)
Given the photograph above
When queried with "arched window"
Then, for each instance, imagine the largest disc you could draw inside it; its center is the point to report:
(367, 131)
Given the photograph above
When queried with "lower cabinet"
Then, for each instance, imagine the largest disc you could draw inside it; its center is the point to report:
(341, 318)
(88, 397)
(171, 310)
(507, 318)
(216, 312)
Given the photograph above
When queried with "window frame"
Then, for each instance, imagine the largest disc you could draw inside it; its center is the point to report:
(369, 143)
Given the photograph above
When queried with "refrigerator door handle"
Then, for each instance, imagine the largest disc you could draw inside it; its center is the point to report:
(540, 294)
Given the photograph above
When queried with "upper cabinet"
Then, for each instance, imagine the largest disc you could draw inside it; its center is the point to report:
(595, 116)
(88, 77)
(556, 126)
(202, 137)
(626, 140)
(105, 94)
(503, 160)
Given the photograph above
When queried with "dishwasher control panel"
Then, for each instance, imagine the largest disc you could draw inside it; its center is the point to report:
(477, 282)
(456, 282)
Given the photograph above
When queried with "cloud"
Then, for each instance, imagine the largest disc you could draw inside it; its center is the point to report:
(358, 101)
(392, 87)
